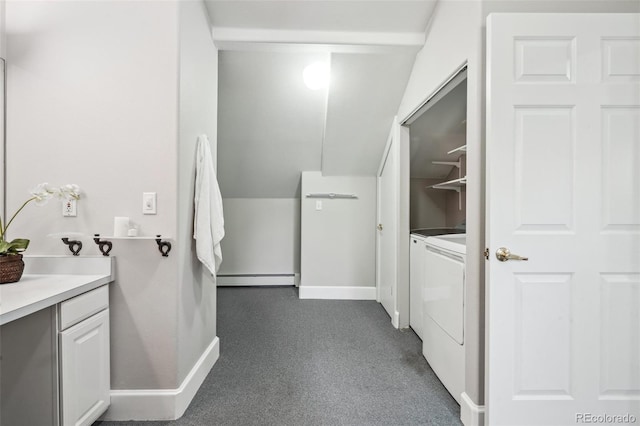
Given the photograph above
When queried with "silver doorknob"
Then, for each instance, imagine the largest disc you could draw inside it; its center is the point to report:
(379, 227)
(503, 254)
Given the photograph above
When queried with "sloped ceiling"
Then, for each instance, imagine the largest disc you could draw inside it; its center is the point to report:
(271, 127)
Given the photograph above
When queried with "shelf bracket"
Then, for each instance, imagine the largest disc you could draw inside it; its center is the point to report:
(163, 246)
(74, 245)
(462, 149)
(104, 245)
(448, 163)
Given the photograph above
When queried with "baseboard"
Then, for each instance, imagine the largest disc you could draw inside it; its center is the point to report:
(162, 404)
(395, 321)
(255, 280)
(337, 293)
(471, 414)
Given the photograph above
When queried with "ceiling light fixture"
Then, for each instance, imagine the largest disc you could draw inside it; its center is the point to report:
(316, 75)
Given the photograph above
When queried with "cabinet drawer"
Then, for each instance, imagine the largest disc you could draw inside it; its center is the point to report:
(81, 307)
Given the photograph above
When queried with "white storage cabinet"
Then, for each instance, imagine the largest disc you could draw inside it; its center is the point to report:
(84, 357)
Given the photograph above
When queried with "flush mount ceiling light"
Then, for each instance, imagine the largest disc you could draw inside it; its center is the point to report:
(316, 75)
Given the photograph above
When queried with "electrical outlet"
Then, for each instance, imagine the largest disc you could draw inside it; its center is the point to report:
(149, 202)
(69, 208)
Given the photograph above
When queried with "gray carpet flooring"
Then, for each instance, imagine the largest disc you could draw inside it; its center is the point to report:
(286, 361)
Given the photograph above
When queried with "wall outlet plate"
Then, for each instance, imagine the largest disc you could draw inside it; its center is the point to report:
(69, 208)
(149, 201)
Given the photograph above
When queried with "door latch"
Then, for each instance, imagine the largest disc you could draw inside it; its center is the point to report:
(503, 254)
(486, 253)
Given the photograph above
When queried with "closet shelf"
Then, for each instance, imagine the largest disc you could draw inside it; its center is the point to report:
(462, 148)
(105, 246)
(111, 237)
(453, 185)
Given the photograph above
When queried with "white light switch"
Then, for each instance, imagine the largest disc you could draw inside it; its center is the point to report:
(148, 203)
(318, 205)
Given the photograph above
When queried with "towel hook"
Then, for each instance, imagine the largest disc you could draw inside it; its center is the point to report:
(104, 246)
(163, 246)
(74, 245)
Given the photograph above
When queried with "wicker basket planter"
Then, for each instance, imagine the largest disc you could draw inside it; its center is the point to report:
(11, 268)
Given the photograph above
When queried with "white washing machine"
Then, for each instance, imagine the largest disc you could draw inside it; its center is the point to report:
(443, 309)
(417, 253)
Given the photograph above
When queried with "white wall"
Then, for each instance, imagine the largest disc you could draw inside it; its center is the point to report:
(427, 206)
(92, 100)
(262, 236)
(112, 96)
(338, 242)
(559, 6)
(198, 115)
(3, 54)
(3, 46)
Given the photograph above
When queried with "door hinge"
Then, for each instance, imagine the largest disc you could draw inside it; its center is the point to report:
(486, 253)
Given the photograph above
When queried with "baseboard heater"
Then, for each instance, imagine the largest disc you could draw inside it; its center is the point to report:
(257, 279)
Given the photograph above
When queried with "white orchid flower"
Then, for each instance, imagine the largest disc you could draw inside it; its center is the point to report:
(70, 191)
(42, 193)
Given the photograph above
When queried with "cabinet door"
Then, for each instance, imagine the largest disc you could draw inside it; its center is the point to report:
(84, 375)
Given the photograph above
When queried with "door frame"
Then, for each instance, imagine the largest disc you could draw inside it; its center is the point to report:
(398, 140)
(385, 155)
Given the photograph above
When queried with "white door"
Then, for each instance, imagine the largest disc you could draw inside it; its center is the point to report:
(563, 161)
(387, 232)
(84, 375)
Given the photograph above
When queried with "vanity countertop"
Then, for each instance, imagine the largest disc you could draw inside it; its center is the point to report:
(49, 280)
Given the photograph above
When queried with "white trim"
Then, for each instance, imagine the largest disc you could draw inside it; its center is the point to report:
(255, 280)
(162, 404)
(337, 293)
(223, 35)
(395, 321)
(354, 49)
(387, 148)
(406, 121)
(471, 414)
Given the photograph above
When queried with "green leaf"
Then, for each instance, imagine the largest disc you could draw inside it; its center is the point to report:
(14, 247)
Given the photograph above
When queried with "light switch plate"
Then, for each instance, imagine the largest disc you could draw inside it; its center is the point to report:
(318, 204)
(149, 201)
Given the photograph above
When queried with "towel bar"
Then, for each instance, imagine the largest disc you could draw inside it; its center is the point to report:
(331, 195)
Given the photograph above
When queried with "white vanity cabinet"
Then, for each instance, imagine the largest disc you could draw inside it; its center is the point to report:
(84, 357)
(54, 342)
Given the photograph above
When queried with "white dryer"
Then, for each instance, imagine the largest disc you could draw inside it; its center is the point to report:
(443, 309)
(417, 254)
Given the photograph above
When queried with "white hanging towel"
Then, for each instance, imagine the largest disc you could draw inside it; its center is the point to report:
(208, 221)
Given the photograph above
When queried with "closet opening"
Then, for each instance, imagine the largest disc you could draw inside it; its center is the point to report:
(437, 222)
